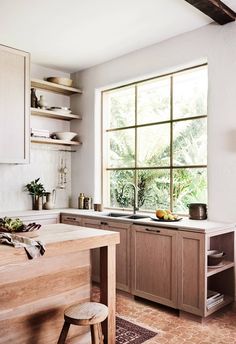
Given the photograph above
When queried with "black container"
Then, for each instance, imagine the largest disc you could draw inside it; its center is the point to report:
(197, 211)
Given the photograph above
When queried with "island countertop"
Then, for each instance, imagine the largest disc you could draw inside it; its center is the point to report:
(37, 291)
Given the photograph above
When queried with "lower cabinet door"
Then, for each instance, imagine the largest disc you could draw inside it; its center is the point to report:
(154, 264)
(122, 254)
(191, 272)
(95, 255)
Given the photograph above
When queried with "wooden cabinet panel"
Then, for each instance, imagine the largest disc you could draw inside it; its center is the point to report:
(191, 272)
(122, 254)
(95, 255)
(14, 105)
(154, 267)
(71, 220)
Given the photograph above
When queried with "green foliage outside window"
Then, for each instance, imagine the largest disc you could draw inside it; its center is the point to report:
(167, 161)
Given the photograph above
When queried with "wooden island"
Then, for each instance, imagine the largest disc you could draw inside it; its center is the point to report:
(34, 293)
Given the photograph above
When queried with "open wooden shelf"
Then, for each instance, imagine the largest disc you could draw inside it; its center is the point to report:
(227, 300)
(52, 87)
(226, 265)
(53, 114)
(54, 141)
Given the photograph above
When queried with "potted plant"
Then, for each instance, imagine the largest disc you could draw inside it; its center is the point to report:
(36, 190)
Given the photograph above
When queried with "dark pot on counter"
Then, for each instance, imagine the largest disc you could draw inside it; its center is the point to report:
(197, 211)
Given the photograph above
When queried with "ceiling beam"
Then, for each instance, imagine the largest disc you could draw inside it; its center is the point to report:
(215, 9)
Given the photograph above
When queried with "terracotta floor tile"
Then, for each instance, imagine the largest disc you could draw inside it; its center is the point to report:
(221, 329)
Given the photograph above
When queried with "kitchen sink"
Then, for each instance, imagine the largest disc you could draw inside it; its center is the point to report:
(116, 214)
(137, 217)
(127, 216)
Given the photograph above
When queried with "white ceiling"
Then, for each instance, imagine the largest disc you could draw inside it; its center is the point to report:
(71, 35)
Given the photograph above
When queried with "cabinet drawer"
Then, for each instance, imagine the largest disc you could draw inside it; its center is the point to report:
(71, 220)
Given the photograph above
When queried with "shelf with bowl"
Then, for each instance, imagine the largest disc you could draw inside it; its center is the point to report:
(43, 140)
(216, 269)
(53, 87)
(54, 114)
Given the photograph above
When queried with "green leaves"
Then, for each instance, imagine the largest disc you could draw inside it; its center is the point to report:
(35, 188)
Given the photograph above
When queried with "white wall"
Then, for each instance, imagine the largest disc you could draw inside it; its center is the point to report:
(45, 161)
(215, 43)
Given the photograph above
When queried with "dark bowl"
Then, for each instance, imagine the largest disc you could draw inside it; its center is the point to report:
(216, 258)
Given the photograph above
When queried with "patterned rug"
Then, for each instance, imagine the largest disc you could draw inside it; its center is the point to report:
(129, 333)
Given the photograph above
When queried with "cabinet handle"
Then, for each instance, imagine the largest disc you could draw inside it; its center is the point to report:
(103, 223)
(71, 218)
(152, 230)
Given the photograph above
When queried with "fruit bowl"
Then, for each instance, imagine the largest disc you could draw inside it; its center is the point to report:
(166, 216)
(163, 220)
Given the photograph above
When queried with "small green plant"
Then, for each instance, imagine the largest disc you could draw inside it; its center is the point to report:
(35, 188)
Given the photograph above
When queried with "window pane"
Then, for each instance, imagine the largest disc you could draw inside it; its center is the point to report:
(121, 145)
(154, 189)
(153, 101)
(190, 142)
(153, 145)
(119, 107)
(190, 93)
(116, 181)
(190, 186)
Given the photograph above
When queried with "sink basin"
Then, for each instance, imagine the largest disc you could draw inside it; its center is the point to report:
(127, 216)
(115, 214)
(137, 217)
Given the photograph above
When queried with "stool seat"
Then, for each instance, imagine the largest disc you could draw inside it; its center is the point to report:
(87, 313)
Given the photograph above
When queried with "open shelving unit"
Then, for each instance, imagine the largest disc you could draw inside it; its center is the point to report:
(62, 90)
(54, 141)
(222, 278)
(53, 114)
(56, 88)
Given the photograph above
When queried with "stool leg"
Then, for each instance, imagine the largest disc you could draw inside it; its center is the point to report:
(64, 333)
(95, 334)
(101, 337)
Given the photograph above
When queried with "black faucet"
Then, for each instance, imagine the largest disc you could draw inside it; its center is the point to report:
(135, 188)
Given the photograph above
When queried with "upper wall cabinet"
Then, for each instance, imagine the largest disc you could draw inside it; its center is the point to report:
(14, 106)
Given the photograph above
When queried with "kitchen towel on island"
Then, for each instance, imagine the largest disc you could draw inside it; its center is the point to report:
(33, 248)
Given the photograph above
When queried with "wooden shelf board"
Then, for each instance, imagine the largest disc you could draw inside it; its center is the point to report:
(53, 114)
(52, 87)
(227, 265)
(227, 301)
(54, 141)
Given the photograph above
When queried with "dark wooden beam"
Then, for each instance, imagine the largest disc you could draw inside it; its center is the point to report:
(215, 9)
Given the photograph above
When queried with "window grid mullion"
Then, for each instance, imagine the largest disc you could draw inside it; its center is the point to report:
(171, 143)
(135, 133)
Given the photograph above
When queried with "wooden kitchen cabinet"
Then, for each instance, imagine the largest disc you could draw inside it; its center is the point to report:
(71, 220)
(95, 254)
(191, 272)
(122, 251)
(122, 254)
(14, 105)
(154, 264)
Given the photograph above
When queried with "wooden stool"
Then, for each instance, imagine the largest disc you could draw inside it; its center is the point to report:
(85, 314)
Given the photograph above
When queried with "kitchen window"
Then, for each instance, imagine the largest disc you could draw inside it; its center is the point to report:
(155, 136)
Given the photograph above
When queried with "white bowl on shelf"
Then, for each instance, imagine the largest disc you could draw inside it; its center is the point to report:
(65, 135)
(61, 81)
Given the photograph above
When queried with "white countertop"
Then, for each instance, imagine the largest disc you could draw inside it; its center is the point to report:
(205, 226)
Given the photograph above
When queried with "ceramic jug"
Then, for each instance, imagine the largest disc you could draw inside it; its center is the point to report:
(50, 200)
